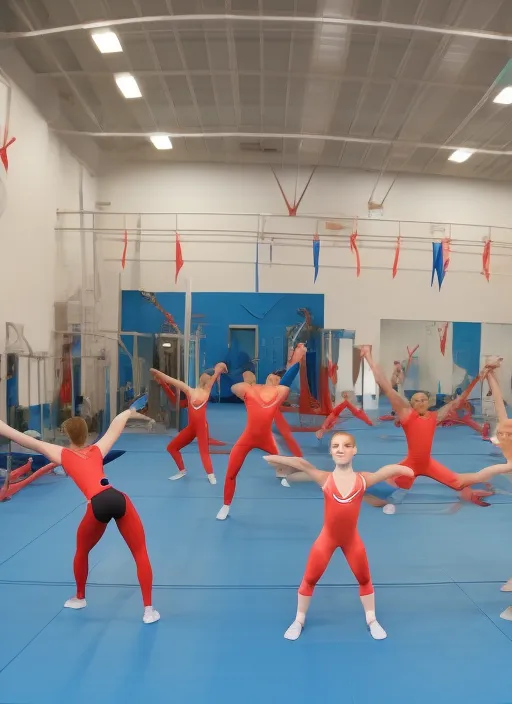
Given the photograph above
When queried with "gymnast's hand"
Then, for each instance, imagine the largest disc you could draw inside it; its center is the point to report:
(365, 351)
(221, 368)
(493, 363)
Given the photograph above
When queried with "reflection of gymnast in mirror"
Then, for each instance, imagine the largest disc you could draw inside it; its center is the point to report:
(197, 401)
(503, 440)
(332, 418)
(343, 491)
(84, 464)
(262, 402)
(419, 425)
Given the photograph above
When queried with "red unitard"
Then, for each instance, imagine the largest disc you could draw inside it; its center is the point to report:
(331, 419)
(286, 434)
(341, 514)
(85, 467)
(197, 428)
(419, 432)
(257, 435)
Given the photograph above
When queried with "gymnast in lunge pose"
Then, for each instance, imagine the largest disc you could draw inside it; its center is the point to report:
(419, 426)
(84, 464)
(343, 493)
(331, 419)
(262, 402)
(197, 424)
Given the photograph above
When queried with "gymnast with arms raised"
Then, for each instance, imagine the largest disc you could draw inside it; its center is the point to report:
(419, 425)
(343, 491)
(84, 464)
(197, 427)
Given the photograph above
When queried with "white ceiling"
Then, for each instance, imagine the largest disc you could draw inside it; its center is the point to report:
(411, 88)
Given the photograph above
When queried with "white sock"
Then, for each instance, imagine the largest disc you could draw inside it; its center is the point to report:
(507, 587)
(179, 475)
(507, 614)
(75, 603)
(294, 630)
(223, 513)
(212, 479)
(376, 630)
(284, 482)
(389, 509)
(151, 615)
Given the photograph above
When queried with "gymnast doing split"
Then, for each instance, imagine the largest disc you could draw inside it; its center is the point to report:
(343, 491)
(84, 464)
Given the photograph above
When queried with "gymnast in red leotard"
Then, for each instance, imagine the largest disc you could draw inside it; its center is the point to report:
(85, 467)
(343, 493)
(262, 402)
(197, 427)
(419, 425)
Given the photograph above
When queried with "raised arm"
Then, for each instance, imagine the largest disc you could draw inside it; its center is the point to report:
(400, 405)
(219, 369)
(107, 441)
(52, 452)
(499, 403)
(457, 402)
(170, 380)
(298, 464)
(387, 472)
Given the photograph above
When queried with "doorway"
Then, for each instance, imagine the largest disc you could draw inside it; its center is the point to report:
(243, 341)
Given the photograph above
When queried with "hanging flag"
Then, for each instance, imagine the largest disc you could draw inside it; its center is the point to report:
(443, 334)
(123, 258)
(316, 254)
(486, 260)
(397, 256)
(437, 263)
(354, 249)
(3, 151)
(179, 257)
(446, 247)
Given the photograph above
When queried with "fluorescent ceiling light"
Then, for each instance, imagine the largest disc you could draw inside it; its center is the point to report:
(504, 97)
(161, 141)
(128, 85)
(107, 42)
(166, 344)
(460, 155)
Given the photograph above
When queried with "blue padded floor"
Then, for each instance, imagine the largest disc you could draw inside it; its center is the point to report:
(227, 591)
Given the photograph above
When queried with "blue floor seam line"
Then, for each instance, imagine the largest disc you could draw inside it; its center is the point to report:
(496, 625)
(34, 637)
(40, 534)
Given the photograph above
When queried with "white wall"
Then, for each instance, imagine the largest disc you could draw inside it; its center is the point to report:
(351, 303)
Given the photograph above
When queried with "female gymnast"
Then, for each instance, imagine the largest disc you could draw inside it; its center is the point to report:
(84, 464)
(343, 492)
(331, 419)
(419, 426)
(197, 424)
(262, 402)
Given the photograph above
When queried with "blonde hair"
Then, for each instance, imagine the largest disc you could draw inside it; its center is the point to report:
(76, 429)
(347, 435)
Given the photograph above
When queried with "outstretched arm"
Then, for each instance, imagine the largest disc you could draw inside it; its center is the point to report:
(298, 464)
(499, 403)
(387, 472)
(400, 405)
(53, 452)
(170, 380)
(453, 405)
(219, 369)
(107, 441)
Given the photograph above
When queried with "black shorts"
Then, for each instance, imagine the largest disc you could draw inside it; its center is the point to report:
(108, 504)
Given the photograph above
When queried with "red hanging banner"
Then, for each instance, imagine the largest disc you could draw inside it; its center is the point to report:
(354, 249)
(443, 334)
(446, 245)
(125, 247)
(3, 151)
(397, 256)
(486, 260)
(179, 257)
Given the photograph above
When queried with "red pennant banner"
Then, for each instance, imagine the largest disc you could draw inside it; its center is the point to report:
(354, 249)
(397, 256)
(446, 245)
(486, 260)
(125, 247)
(443, 334)
(179, 257)
(3, 152)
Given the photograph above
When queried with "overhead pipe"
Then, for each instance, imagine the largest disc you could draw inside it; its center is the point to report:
(258, 19)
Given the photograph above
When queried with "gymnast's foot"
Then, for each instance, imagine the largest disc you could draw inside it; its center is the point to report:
(507, 614)
(179, 475)
(294, 631)
(223, 513)
(475, 497)
(151, 615)
(389, 509)
(507, 587)
(376, 630)
(212, 479)
(75, 603)
(285, 483)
